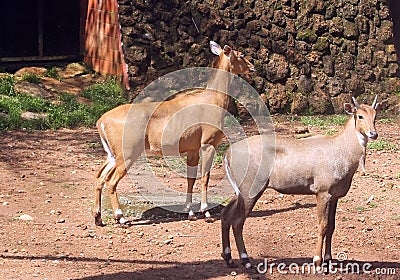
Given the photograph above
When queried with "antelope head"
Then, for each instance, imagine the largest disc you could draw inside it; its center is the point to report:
(364, 117)
(238, 63)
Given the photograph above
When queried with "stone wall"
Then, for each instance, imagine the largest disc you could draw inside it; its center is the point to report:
(310, 56)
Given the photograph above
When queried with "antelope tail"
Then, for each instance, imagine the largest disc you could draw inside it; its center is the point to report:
(230, 177)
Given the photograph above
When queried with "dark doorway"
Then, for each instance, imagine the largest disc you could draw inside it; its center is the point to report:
(394, 6)
(39, 29)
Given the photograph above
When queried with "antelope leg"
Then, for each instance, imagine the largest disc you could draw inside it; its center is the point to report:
(323, 201)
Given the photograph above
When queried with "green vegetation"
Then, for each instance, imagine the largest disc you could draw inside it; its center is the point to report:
(324, 121)
(7, 84)
(385, 121)
(219, 155)
(307, 35)
(52, 73)
(381, 145)
(31, 78)
(396, 91)
(64, 111)
(322, 44)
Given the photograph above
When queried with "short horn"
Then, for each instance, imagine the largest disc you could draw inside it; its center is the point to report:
(374, 103)
(355, 102)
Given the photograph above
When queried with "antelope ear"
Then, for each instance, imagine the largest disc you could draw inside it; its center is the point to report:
(349, 108)
(215, 48)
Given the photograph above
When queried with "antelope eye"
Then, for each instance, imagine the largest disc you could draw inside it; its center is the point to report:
(360, 117)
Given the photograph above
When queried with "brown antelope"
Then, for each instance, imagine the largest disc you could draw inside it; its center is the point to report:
(322, 166)
(190, 123)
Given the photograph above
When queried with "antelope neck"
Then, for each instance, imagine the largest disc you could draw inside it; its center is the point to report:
(221, 77)
(353, 137)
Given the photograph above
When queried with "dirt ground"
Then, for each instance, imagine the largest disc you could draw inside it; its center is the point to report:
(47, 231)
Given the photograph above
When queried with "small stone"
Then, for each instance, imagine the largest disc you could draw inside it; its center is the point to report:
(5, 203)
(25, 217)
(168, 241)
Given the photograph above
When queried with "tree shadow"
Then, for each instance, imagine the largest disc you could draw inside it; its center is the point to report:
(196, 270)
(277, 268)
(355, 268)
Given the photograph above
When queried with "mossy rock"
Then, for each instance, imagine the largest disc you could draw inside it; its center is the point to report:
(322, 44)
(307, 35)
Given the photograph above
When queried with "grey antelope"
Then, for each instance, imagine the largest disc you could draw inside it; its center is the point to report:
(190, 123)
(322, 166)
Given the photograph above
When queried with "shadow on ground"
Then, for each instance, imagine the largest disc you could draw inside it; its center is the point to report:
(279, 268)
(166, 214)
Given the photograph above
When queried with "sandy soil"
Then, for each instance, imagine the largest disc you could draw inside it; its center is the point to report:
(47, 231)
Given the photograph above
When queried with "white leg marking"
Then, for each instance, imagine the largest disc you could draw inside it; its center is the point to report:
(118, 215)
(118, 212)
(244, 256)
(316, 259)
(247, 265)
(208, 215)
(191, 213)
(227, 250)
(203, 206)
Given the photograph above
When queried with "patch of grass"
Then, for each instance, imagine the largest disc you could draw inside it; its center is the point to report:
(385, 121)
(12, 108)
(396, 218)
(108, 92)
(361, 208)
(323, 121)
(331, 132)
(220, 153)
(396, 92)
(7, 85)
(64, 112)
(312, 121)
(31, 78)
(52, 73)
(381, 145)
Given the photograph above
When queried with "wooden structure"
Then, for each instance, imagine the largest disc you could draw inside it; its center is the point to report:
(47, 30)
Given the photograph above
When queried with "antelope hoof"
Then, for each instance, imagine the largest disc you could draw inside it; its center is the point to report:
(121, 220)
(119, 217)
(98, 221)
(317, 264)
(208, 218)
(249, 267)
(192, 216)
(229, 261)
